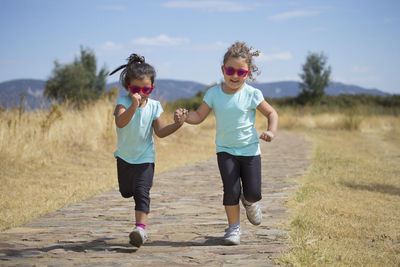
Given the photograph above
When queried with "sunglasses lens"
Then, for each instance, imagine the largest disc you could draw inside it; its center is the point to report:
(134, 89)
(242, 73)
(229, 71)
(147, 90)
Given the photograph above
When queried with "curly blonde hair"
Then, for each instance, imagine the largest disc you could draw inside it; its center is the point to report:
(240, 49)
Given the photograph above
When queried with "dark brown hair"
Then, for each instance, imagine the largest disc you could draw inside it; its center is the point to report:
(136, 68)
(240, 49)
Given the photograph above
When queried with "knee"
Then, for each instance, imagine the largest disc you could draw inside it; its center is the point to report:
(142, 193)
(125, 193)
(253, 196)
(231, 197)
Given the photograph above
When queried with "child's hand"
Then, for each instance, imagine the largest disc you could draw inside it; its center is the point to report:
(136, 98)
(180, 116)
(184, 115)
(267, 136)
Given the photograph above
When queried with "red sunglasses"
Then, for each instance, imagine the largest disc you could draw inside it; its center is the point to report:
(136, 89)
(231, 71)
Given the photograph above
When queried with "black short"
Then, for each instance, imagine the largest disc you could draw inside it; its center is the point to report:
(135, 180)
(236, 168)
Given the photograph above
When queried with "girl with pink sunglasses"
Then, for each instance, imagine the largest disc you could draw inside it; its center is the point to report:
(234, 103)
(136, 117)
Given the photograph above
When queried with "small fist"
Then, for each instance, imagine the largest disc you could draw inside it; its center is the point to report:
(267, 136)
(180, 116)
(136, 98)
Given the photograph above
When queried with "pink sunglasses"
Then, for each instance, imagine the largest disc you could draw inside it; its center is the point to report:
(231, 71)
(136, 89)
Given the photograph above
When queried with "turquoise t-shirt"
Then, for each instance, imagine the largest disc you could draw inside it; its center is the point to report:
(235, 116)
(135, 140)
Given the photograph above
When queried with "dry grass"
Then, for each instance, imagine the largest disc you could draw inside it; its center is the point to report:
(347, 209)
(52, 158)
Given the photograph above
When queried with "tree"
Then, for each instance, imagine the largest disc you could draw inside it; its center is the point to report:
(77, 82)
(316, 77)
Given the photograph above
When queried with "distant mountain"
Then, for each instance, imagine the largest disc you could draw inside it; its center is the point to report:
(166, 90)
(10, 92)
(291, 89)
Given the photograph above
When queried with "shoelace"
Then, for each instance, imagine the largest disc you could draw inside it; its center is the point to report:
(231, 230)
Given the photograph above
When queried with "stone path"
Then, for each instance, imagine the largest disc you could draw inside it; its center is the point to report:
(186, 223)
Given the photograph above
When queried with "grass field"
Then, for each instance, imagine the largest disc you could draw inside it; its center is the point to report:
(347, 208)
(346, 211)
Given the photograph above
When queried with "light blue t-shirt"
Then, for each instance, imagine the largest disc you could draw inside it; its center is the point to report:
(135, 140)
(235, 116)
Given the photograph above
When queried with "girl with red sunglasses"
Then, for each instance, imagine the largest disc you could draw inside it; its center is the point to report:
(234, 103)
(136, 117)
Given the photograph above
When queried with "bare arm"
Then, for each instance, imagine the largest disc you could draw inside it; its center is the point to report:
(199, 115)
(162, 130)
(269, 112)
(124, 115)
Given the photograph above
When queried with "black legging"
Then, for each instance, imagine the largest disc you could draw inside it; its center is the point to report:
(136, 180)
(236, 168)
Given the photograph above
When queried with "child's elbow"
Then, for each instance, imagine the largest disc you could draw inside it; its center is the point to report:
(194, 119)
(160, 134)
(119, 125)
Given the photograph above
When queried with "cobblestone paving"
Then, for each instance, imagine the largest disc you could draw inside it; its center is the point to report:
(185, 227)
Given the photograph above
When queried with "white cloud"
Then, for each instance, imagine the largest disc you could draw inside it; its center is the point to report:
(212, 5)
(293, 14)
(111, 46)
(274, 57)
(161, 40)
(36, 93)
(113, 8)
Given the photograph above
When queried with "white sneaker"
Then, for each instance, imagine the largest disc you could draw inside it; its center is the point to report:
(232, 236)
(137, 237)
(253, 211)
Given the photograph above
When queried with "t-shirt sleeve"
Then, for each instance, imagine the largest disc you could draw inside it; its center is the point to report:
(208, 98)
(157, 111)
(257, 98)
(121, 100)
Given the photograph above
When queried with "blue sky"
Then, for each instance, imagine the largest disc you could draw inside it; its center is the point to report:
(186, 40)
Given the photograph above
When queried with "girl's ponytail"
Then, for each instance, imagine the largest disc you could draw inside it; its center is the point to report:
(132, 59)
(135, 59)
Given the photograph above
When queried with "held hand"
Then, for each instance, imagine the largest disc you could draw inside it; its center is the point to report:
(136, 98)
(177, 115)
(184, 116)
(180, 116)
(267, 136)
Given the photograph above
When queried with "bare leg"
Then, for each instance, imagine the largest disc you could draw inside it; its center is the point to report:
(141, 216)
(233, 213)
